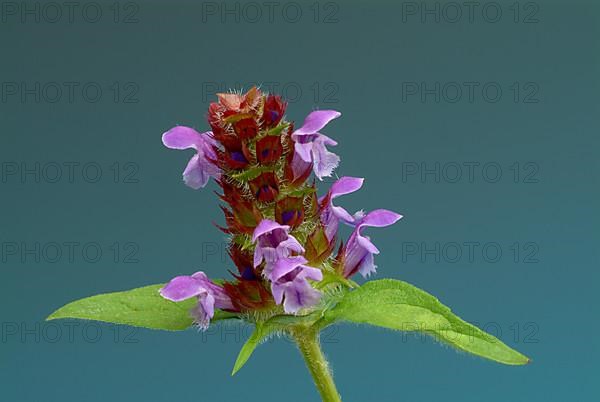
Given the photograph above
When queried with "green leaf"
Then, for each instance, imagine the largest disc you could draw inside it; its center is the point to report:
(255, 339)
(141, 307)
(400, 306)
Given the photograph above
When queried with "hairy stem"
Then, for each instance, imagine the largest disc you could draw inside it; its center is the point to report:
(308, 343)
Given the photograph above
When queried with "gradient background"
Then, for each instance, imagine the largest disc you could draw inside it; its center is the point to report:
(351, 57)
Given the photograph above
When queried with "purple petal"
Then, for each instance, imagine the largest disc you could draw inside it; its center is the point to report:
(200, 168)
(203, 311)
(269, 254)
(360, 251)
(299, 294)
(182, 288)
(358, 258)
(331, 224)
(299, 165)
(325, 140)
(341, 214)
(367, 266)
(209, 294)
(258, 256)
(304, 151)
(266, 226)
(324, 161)
(202, 277)
(296, 289)
(273, 254)
(331, 214)
(283, 267)
(207, 147)
(290, 244)
(196, 173)
(366, 243)
(221, 299)
(310, 273)
(316, 120)
(207, 302)
(346, 185)
(181, 137)
(380, 218)
(278, 290)
(273, 242)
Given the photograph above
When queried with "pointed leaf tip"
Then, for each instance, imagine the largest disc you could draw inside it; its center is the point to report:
(248, 348)
(141, 307)
(400, 306)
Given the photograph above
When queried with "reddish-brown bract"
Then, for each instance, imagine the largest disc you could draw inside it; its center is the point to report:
(255, 151)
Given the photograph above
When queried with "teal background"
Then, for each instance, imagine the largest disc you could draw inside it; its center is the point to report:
(545, 307)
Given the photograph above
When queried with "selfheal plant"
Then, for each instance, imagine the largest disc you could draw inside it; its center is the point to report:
(294, 274)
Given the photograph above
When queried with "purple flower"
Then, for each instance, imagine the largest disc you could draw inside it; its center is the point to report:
(311, 145)
(359, 251)
(331, 215)
(201, 167)
(209, 295)
(273, 242)
(290, 284)
(286, 272)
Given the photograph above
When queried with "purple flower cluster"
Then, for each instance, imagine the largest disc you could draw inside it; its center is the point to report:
(278, 258)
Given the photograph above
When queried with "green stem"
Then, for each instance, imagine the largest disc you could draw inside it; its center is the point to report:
(308, 343)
